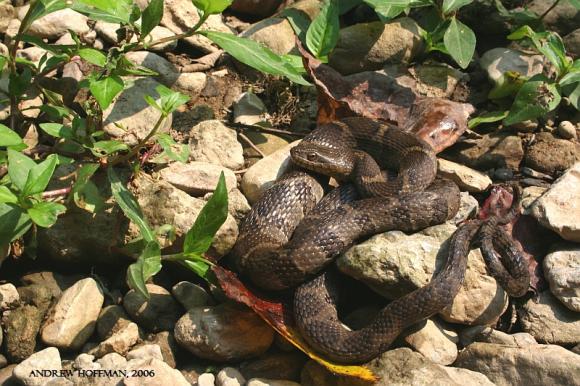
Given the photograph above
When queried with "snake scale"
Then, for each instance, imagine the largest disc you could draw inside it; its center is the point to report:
(388, 182)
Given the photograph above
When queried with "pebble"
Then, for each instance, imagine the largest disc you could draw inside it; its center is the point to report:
(529, 365)
(211, 141)
(557, 209)
(567, 130)
(9, 296)
(158, 313)
(120, 342)
(562, 270)
(228, 376)
(487, 334)
(270, 382)
(249, 109)
(562, 18)
(112, 318)
(206, 379)
(497, 150)
(223, 333)
(164, 375)
(21, 327)
(73, 319)
(168, 73)
(47, 359)
(191, 295)
(169, 347)
(197, 178)
(55, 24)
(145, 351)
(551, 155)
(6, 14)
(465, 177)
(548, 321)
(435, 342)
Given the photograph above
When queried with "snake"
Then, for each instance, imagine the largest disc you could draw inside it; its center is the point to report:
(388, 181)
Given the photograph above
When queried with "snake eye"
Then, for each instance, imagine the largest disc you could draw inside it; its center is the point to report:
(311, 157)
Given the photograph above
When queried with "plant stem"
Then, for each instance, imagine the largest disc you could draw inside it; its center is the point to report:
(549, 9)
(140, 145)
(56, 192)
(168, 39)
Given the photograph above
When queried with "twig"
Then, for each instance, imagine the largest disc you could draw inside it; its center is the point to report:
(251, 144)
(56, 192)
(549, 9)
(140, 145)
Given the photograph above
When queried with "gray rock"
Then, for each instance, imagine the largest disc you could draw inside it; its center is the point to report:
(275, 33)
(191, 295)
(108, 31)
(468, 207)
(9, 296)
(33, 54)
(223, 333)
(249, 109)
(145, 351)
(466, 178)
(567, 129)
(563, 18)
(197, 178)
(262, 175)
(529, 195)
(394, 264)
(192, 83)
(238, 205)
(130, 118)
(56, 24)
(213, 142)
(434, 341)
(21, 327)
(530, 365)
(158, 313)
(487, 334)
(167, 344)
(562, 270)
(73, 318)
(548, 321)
(168, 73)
(497, 61)
(163, 374)
(557, 209)
(551, 155)
(112, 361)
(120, 342)
(164, 204)
(572, 43)
(496, 150)
(368, 46)
(47, 359)
(112, 318)
(228, 376)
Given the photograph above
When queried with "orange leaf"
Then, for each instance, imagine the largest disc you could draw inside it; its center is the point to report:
(279, 316)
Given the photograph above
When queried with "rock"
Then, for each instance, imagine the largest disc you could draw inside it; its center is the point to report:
(47, 359)
(223, 333)
(497, 61)
(284, 365)
(466, 178)
(73, 318)
(167, 344)
(260, 176)
(168, 73)
(206, 379)
(33, 54)
(572, 43)
(130, 118)
(228, 376)
(394, 264)
(489, 335)
(238, 205)
(468, 207)
(54, 281)
(3, 360)
(267, 143)
(530, 365)
(9, 296)
(192, 83)
(112, 361)
(6, 14)
(146, 351)
(270, 382)
(562, 270)
(120, 342)
(55, 24)
(368, 46)
(551, 155)
(37, 295)
(213, 142)
(548, 321)
(7, 378)
(108, 31)
(191, 295)
(21, 326)
(557, 209)
(181, 15)
(563, 18)
(398, 367)
(154, 372)
(249, 109)
(197, 178)
(529, 195)
(164, 204)
(112, 319)
(158, 313)
(496, 150)
(434, 341)
(259, 8)
(567, 129)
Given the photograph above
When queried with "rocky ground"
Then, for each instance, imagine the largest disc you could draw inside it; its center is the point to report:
(71, 310)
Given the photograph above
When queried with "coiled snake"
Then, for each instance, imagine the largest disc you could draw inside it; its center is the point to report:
(292, 233)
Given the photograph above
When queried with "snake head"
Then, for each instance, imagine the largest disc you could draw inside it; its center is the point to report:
(328, 161)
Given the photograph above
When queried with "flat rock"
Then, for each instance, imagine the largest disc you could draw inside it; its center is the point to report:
(262, 175)
(21, 327)
(530, 365)
(223, 333)
(58, 23)
(112, 318)
(47, 359)
(434, 341)
(191, 295)
(129, 118)
(73, 319)
(465, 177)
(394, 264)
(548, 321)
(163, 374)
(211, 141)
(120, 342)
(168, 73)
(497, 61)
(558, 208)
(145, 351)
(551, 155)
(562, 270)
(158, 313)
(369, 46)
(487, 334)
(197, 178)
(496, 150)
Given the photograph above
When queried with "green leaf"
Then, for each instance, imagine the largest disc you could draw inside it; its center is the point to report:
(126, 67)
(210, 7)
(19, 166)
(322, 34)
(197, 265)
(40, 8)
(6, 196)
(151, 16)
(148, 264)
(211, 217)
(453, 5)
(168, 145)
(298, 20)
(508, 84)
(3, 60)
(129, 205)
(45, 214)
(93, 56)
(85, 192)
(8, 137)
(570, 78)
(14, 222)
(254, 55)
(575, 3)
(536, 97)
(572, 91)
(39, 176)
(459, 40)
(104, 148)
(114, 11)
(57, 130)
(19, 82)
(492, 116)
(170, 100)
(104, 90)
(548, 43)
